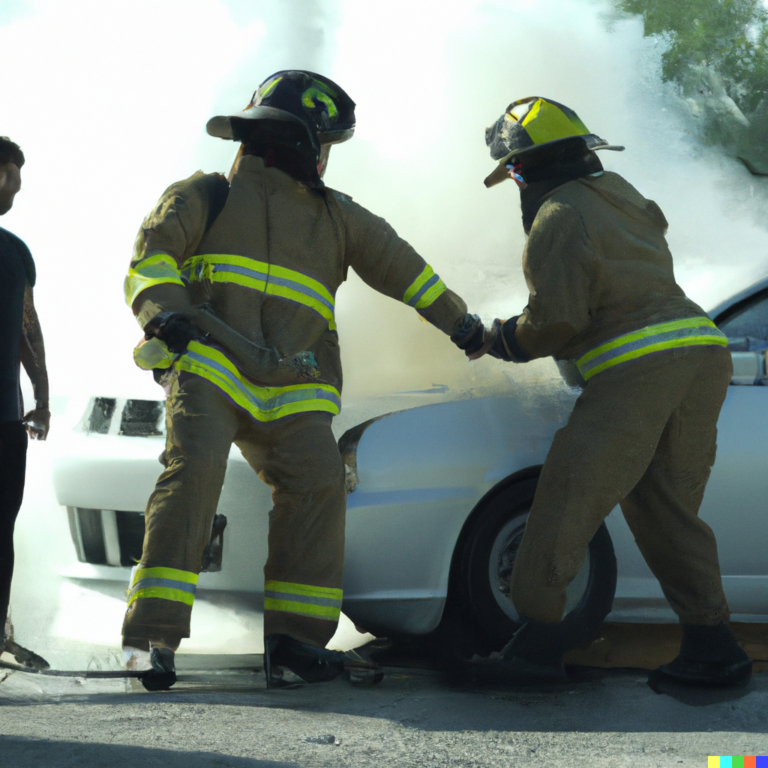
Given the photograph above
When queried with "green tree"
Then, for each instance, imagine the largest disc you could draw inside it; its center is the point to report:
(717, 53)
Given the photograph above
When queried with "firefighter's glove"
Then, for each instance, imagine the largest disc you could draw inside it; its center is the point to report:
(469, 338)
(505, 346)
(474, 338)
(174, 328)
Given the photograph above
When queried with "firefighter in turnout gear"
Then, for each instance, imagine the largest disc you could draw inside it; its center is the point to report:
(234, 283)
(654, 370)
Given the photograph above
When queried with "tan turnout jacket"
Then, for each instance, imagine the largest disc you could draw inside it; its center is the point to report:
(270, 266)
(597, 266)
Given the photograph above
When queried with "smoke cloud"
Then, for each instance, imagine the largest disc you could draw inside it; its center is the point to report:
(111, 108)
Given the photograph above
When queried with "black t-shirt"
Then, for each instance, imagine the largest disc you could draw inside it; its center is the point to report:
(16, 270)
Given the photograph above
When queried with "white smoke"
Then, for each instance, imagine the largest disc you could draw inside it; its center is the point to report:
(112, 109)
(110, 101)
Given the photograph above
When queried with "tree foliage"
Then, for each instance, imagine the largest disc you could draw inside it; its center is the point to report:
(727, 39)
(730, 36)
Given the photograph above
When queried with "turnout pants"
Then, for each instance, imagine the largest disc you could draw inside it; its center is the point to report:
(642, 435)
(299, 458)
(13, 462)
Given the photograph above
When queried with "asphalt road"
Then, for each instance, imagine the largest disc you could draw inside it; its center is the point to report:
(413, 718)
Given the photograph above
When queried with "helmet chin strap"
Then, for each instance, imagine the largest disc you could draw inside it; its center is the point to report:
(232, 171)
(322, 161)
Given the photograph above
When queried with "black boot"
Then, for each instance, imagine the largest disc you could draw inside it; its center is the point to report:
(163, 673)
(533, 655)
(312, 665)
(709, 656)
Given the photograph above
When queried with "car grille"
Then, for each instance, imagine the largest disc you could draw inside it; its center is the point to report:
(116, 416)
(105, 536)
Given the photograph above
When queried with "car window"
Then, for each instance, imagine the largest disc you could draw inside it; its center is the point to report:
(748, 318)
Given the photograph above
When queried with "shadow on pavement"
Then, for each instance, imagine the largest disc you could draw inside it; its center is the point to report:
(696, 696)
(589, 700)
(69, 754)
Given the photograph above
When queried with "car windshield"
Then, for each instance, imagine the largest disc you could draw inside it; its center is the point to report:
(748, 318)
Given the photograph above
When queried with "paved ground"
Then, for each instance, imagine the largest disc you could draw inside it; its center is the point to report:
(414, 718)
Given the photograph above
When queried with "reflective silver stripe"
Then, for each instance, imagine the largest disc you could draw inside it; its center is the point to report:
(170, 583)
(698, 331)
(277, 401)
(328, 601)
(263, 403)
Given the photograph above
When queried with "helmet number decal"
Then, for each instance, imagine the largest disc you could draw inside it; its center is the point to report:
(313, 97)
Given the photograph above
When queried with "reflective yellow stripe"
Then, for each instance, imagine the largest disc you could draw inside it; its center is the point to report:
(188, 577)
(268, 278)
(691, 341)
(163, 593)
(650, 330)
(423, 291)
(318, 611)
(164, 584)
(153, 353)
(305, 599)
(269, 86)
(691, 332)
(263, 403)
(304, 589)
(156, 270)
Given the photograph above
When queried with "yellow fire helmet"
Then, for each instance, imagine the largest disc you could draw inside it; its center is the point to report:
(530, 123)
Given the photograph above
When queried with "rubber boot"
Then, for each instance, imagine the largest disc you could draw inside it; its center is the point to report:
(709, 656)
(162, 675)
(312, 665)
(533, 655)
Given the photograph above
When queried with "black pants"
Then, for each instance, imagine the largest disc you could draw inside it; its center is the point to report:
(13, 462)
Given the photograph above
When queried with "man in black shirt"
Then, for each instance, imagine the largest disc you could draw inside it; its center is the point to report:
(21, 342)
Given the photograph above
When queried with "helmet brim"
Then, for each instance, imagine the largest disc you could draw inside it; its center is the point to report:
(501, 173)
(336, 137)
(235, 127)
(240, 126)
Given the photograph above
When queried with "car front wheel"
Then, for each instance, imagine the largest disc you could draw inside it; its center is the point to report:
(485, 568)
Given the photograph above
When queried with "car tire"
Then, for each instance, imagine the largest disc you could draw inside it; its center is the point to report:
(485, 565)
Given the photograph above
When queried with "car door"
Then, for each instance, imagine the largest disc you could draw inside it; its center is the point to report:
(736, 500)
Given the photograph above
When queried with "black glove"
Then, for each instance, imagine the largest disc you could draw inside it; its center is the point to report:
(469, 338)
(174, 328)
(505, 346)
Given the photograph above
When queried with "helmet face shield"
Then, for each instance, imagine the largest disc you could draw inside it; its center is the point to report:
(530, 123)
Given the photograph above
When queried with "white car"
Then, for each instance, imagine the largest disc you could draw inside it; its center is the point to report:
(438, 500)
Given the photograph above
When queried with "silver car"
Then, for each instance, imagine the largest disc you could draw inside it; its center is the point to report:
(438, 498)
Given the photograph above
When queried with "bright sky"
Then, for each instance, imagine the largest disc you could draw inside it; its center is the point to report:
(109, 102)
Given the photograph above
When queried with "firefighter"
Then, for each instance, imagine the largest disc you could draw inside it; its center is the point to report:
(234, 283)
(654, 369)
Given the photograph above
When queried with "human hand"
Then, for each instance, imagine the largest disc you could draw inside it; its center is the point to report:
(37, 423)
